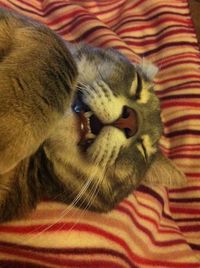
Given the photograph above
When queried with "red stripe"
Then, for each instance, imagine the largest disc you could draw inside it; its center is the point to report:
(194, 175)
(185, 190)
(98, 14)
(181, 119)
(105, 43)
(156, 39)
(85, 18)
(91, 229)
(181, 96)
(99, 3)
(176, 57)
(189, 156)
(173, 103)
(185, 200)
(81, 18)
(158, 215)
(187, 85)
(148, 13)
(177, 78)
(70, 251)
(29, 4)
(159, 33)
(190, 147)
(190, 211)
(169, 45)
(190, 228)
(21, 9)
(144, 218)
(72, 14)
(153, 19)
(131, 7)
(182, 220)
(18, 264)
(184, 62)
(101, 36)
(147, 26)
(49, 259)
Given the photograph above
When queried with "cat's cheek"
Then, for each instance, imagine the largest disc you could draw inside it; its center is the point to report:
(107, 146)
(73, 128)
(65, 136)
(123, 171)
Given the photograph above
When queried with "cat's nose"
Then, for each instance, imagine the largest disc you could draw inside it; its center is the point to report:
(128, 122)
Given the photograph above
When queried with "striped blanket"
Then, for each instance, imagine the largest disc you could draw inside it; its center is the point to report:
(153, 227)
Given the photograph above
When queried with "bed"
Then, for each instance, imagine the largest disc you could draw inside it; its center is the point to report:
(154, 226)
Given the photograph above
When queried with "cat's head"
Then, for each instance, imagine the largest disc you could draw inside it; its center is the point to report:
(110, 134)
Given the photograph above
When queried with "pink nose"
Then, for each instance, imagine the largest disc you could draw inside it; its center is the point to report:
(128, 122)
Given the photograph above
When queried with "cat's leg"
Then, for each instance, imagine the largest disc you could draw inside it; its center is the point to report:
(38, 75)
(25, 124)
(19, 193)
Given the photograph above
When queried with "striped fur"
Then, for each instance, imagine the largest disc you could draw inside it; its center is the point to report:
(152, 228)
(36, 89)
(43, 116)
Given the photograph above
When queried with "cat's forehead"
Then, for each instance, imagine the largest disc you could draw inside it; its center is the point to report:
(112, 66)
(108, 65)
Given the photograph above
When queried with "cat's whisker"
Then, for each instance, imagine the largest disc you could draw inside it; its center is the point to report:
(62, 215)
(66, 211)
(84, 210)
(96, 184)
(81, 83)
(81, 87)
(100, 74)
(93, 195)
(77, 198)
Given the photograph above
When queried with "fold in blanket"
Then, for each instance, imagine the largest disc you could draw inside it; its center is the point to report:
(153, 227)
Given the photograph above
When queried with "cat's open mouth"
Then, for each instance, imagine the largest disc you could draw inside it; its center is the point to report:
(88, 123)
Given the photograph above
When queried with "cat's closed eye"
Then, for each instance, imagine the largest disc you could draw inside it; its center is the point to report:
(136, 87)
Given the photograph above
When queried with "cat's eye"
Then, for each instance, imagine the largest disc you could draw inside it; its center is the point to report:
(79, 104)
(136, 86)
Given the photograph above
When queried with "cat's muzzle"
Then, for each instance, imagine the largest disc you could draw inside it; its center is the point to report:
(89, 124)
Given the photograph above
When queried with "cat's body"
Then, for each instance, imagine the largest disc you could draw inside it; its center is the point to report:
(38, 76)
(89, 145)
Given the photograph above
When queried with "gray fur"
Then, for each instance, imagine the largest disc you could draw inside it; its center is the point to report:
(39, 151)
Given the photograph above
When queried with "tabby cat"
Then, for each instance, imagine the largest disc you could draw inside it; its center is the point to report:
(78, 124)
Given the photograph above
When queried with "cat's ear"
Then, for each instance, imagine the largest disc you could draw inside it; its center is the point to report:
(149, 69)
(163, 171)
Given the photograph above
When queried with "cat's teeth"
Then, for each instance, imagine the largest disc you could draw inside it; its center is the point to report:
(88, 125)
(88, 114)
(82, 126)
(90, 136)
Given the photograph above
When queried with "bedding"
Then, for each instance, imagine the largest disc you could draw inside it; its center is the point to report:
(154, 226)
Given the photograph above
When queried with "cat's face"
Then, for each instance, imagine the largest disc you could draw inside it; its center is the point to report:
(118, 113)
(110, 134)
